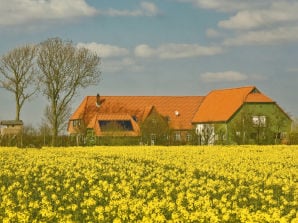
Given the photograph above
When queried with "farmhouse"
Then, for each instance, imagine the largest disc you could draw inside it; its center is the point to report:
(240, 115)
(236, 115)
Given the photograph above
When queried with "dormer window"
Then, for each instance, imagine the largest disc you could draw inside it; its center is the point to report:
(115, 125)
(76, 123)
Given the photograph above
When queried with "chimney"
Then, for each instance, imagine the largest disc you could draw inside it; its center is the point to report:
(98, 100)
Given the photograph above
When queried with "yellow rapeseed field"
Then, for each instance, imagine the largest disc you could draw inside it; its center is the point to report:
(149, 184)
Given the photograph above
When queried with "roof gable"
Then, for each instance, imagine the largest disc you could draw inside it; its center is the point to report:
(220, 105)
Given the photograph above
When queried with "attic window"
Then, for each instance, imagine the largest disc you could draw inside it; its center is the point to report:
(255, 91)
(115, 125)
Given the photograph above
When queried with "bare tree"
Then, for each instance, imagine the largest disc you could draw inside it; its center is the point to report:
(17, 74)
(64, 69)
(206, 134)
(62, 118)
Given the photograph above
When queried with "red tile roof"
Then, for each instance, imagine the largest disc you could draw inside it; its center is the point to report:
(258, 97)
(220, 105)
(179, 109)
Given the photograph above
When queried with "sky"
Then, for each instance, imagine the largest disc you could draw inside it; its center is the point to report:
(164, 47)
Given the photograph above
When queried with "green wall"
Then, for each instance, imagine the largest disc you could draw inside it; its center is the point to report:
(242, 130)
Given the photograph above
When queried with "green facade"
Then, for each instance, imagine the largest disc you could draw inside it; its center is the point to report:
(258, 123)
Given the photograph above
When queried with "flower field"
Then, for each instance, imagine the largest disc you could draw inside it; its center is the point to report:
(149, 184)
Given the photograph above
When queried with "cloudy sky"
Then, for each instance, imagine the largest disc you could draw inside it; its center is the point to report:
(165, 47)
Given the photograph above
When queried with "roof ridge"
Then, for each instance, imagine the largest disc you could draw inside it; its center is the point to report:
(114, 113)
(156, 96)
(234, 88)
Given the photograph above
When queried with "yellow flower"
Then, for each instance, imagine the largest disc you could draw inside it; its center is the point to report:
(54, 197)
(226, 217)
(117, 220)
(150, 184)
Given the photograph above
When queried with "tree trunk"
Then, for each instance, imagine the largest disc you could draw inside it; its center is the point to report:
(18, 112)
(54, 135)
(54, 124)
(18, 108)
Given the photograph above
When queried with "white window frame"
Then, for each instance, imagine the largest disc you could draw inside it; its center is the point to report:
(177, 136)
(152, 139)
(188, 137)
(259, 121)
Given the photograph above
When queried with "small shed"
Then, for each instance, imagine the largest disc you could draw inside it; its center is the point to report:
(11, 127)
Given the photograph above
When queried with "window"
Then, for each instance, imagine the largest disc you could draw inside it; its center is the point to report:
(259, 121)
(153, 139)
(216, 137)
(115, 125)
(224, 137)
(153, 136)
(90, 132)
(153, 121)
(177, 136)
(283, 135)
(76, 123)
(255, 91)
(253, 135)
(188, 137)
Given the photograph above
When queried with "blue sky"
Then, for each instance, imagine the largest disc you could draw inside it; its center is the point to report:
(164, 47)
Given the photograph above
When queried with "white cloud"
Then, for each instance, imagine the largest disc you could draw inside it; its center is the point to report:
(278, 12)
(176, 51)
(14, 12)
(227, 76)
(253, 22)
(212, 33)
(145, 9)
(264, 37)
(114, 58)
(119, 65)
(145, 51)
(227, 5)
(105, 50)
(149, 8)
